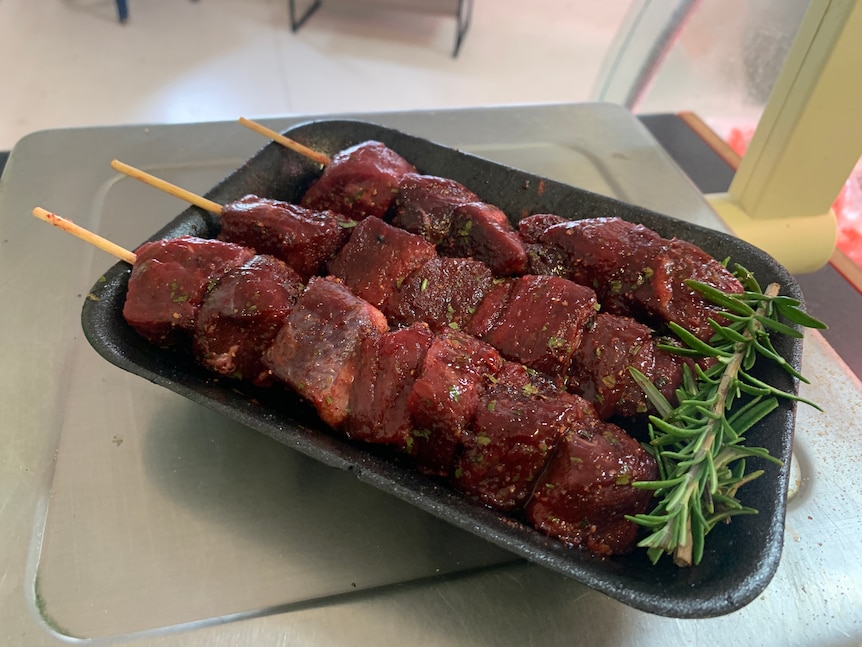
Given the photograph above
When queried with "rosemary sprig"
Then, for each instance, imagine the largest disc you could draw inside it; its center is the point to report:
(699, 444)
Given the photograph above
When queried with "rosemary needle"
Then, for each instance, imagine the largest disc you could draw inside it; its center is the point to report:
(699, 443)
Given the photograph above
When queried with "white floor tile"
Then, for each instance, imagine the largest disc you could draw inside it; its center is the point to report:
(69, 63)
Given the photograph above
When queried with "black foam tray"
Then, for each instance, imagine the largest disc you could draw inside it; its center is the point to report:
(740, 558)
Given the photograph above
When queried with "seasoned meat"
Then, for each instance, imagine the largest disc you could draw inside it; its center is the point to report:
(444, 293)
(169, 281)
(359, 181)
(585, 492)
(425, 205)
(491, 307)
(315, 352)
(482, 231)
(600, 366)
(542, 323)
(389, 365)
(378, 258)
(519, 419)
(550, 261)
(302, 238)
(240, 317)
(532, 227)
(444, 398)
(669, 298)
(636, 272)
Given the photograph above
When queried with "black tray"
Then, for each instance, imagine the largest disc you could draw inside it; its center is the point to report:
(740, 558)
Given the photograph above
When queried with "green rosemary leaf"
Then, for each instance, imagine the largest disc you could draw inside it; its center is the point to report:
(777, 326)
(694, 343)
(719, 298)
(655, 397)
(790, 396)
(729, 334)
(676, 350)
(752, 413)
(787, 309)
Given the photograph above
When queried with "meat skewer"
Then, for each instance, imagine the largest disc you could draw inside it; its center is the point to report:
(635, 271)
(303, 238)
(539, 321)
(370, 179)
(456, 377)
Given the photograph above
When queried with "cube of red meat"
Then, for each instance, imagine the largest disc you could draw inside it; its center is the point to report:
(638, 273)
(586, 491)
(667, 297)
(542, 323)
(425, 205)
(610, 255)
(444, 293)
(482, 231)
(550, 261)
(240, 318)
(359, 181)
(519, 419)
(491, 307)
(444, 398)
(302, 238)
(169, 281)
(389, 365)
(532, 227)
(600, 367)
(315, 352)
(378, 258)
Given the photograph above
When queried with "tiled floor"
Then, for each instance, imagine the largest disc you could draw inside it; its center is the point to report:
(69, 63)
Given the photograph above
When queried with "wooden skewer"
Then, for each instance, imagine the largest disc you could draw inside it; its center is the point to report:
(310, 153)
(86, 235)
(167, 187)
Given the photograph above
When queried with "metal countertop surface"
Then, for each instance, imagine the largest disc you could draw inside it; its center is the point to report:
(130, 515)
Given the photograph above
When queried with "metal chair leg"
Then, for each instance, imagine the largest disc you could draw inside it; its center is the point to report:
(296, 24)
(465, 12)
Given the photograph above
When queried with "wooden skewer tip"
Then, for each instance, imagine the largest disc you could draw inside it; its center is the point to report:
(163, 185)
(293, 145)
(85, 234)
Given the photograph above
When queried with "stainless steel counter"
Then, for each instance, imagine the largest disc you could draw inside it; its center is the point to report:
(130, 515)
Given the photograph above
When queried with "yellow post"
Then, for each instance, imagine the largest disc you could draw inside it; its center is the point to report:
(806, 143)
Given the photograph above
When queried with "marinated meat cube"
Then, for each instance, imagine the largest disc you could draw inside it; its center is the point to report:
(359, 181)
(315, 352)
(542, 323)
(240, 318)
(444, 398)
(610, 255)
(550, 261)
(378, 258)
(302, 238)
(667, 296)
(169, 281)
(389, 365)
(444, 293)
(600, 367)
(425, 205)
(585, 492)
(491, 307)
(482, 231)
(518, 422)
(636, 272)
(532, 227)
